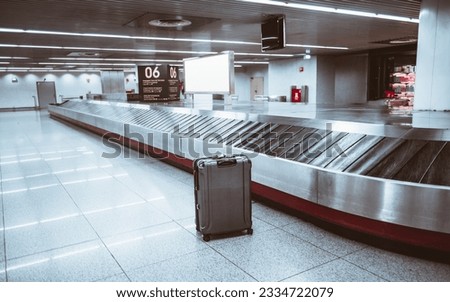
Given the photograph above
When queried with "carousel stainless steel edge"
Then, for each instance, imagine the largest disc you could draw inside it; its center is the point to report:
(340, 182)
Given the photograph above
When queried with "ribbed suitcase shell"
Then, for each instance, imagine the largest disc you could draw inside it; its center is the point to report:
(222, 195)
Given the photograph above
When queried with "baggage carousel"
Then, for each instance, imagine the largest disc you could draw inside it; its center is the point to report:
(387, 181)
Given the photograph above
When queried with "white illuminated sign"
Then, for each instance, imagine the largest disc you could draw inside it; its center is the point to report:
(211, 74)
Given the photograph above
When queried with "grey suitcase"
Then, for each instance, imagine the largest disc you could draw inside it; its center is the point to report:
(222, 195)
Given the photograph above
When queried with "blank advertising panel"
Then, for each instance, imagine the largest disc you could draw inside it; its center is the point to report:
(211, 74)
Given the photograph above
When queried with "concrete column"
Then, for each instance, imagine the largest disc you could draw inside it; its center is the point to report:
(432, 91)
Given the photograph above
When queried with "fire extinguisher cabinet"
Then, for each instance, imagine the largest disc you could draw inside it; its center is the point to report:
(296, 95)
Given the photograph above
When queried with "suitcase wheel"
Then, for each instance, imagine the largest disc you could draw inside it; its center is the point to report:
(250, 231)
(206, 238)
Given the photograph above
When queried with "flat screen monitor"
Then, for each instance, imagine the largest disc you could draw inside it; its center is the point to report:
(273, 34)
(210, 74)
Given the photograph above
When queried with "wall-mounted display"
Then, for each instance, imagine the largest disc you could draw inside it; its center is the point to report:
(210, 74)
(158, 83)
(273, 34)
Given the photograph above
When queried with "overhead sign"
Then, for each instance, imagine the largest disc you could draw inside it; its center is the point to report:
(158, 83)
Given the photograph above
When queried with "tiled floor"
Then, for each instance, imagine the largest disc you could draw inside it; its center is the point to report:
(69, 214)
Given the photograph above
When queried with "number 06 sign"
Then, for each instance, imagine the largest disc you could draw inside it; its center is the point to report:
(158, 83)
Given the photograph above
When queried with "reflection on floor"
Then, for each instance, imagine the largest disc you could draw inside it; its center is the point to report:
(70, 213)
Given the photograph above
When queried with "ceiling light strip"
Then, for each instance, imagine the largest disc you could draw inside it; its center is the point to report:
(317, 46)
(94, 35)
(252, 62)
(106, 49)
(263, 54)
(112, 59)
(14, 58)
(13, 30)
(137, 50)
(332, 10)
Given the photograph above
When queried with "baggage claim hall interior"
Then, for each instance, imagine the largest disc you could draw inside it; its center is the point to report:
(342, 108)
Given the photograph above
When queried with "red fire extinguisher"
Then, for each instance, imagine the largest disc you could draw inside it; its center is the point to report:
(296, 95)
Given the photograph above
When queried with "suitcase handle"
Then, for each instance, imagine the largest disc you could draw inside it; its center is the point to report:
(226, 162)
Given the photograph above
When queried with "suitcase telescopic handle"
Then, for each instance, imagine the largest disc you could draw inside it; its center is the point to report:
(226, 162)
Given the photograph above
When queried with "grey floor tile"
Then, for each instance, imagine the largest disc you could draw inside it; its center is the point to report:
(176, 187)
(81, 175)
(23, 159)
(57, 153)
(140, 248)
(136, 163)
(2, 236)
(37, 205)
(15, 147)
(116, 278)
(24, 169)
(205, 265)
(27, 183)
(335, 271)
(67, 163)
(2, 272)
(98, 194)
(152, 184)
(272, 216)
(46, 235)
(141, 176)
(176, 206)
(258, 226)
(2, 248)
(396, 267)
(2, 252)
(125, 218)
(175, 173)
(273, 255)
(323, 239)
(83, 262)
(123, 155)
(188, 224)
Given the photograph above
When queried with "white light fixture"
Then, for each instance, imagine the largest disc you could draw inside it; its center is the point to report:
(252, 62)
(14, 58)
(307, 56)
(332, 10)
(95, 35)
(87, 64)
(136, 50)
(106, 49)
(112, 59)
(281, 55)
(42, 32)
(317, 46)
(170, 23)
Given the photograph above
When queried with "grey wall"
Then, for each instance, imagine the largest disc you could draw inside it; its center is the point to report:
(243, 76)
(326, 71)
(432, 90)
(351, 79)
(20, 94)
(285, 73)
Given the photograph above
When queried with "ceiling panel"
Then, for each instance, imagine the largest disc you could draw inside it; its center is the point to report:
(212, 20)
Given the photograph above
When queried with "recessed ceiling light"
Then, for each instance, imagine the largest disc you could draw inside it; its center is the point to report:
(169, 23)
(403, 41)
(332, 10)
